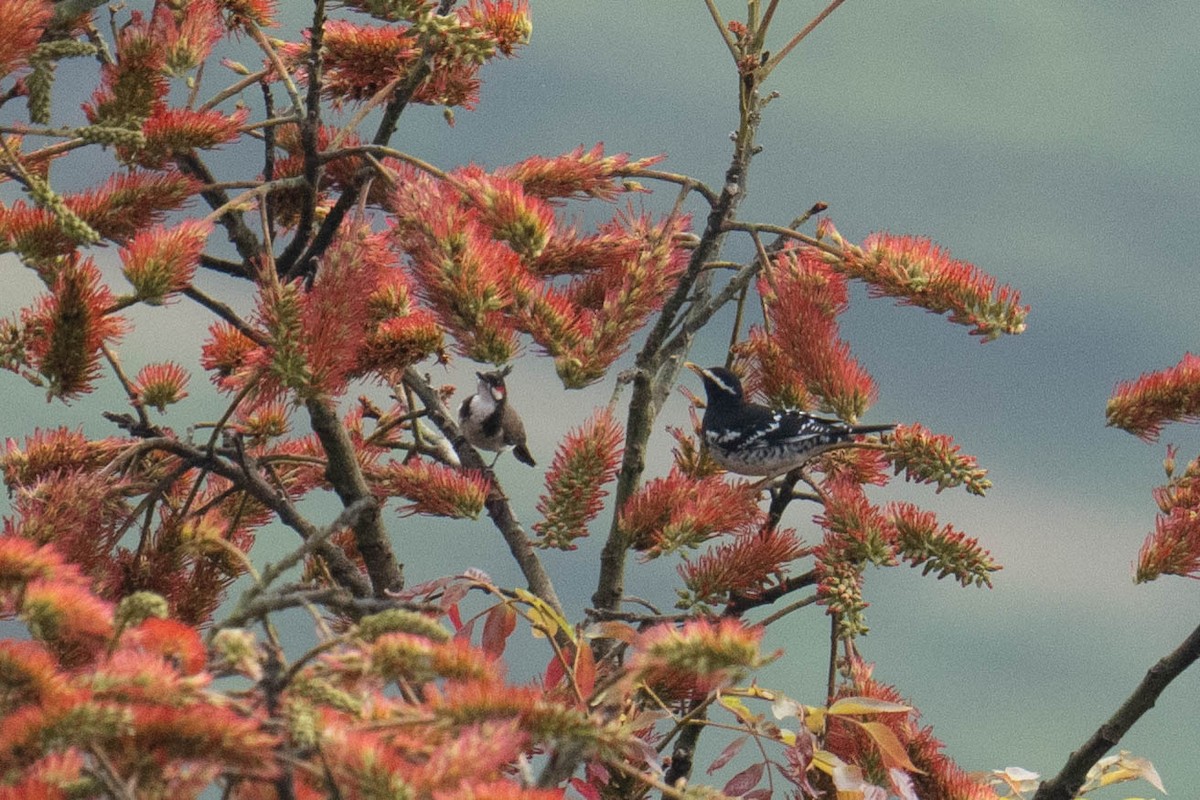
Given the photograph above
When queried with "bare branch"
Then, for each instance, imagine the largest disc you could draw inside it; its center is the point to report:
(1065, 785)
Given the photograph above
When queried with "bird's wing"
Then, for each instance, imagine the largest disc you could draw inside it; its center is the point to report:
(792, 426)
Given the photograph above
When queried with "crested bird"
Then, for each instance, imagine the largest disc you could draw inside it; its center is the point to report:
(488, 420)
(752, 439)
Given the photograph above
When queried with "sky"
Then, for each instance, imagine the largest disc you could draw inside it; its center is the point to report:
(1053, 145)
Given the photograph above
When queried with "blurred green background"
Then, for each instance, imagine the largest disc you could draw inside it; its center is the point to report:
(1054, 145)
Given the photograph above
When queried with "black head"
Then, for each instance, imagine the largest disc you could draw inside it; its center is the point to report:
(721, 385)
(493, 382)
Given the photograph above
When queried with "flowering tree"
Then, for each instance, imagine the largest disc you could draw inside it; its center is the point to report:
(141, 676)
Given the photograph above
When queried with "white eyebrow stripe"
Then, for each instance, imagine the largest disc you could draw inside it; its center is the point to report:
(717, 380)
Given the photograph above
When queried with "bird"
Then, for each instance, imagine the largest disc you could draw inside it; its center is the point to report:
(752, 439)
(489, 422)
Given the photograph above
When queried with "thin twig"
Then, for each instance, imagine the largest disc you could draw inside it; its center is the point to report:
(773, 62)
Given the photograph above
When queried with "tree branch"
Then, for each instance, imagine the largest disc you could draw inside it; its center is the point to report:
(346, 476)
(1066, 783)
(344, 572)
(497, 505)
(657, 367)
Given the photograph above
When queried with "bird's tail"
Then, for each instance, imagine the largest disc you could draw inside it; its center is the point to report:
(856, 429)
(523, 455)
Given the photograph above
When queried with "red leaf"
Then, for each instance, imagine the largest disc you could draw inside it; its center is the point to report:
(554, 672)
(758, 794)
(466, 632)
(744, 781)
(727, 754)
(500, 623)
(455, 617)
(586, 789)
(585, 670)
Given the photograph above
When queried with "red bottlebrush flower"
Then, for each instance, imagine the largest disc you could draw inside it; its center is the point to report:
(525, 222)
(861, 531)
(161, 385)
(23, 560)
(434, 489)
(132, 87)
(66, 614)
(31, 673)
(506, 22)
(468, 278)
(161, 261)
(65, 330)
(48, 453)
(926, 457)
(266, 421)
(924, 275)
(398, 342)
(125, 204)
(856, 533)
(81, 512)
(335, 315)
(1173, 548)
(578, 173)
(227, 354)
(1142, 407)
(417, 659)
(676, 511)
(586, 460)
(743, 567)
(172, 131)
(568, 253)
(173, 640)
(612, 304)
(803, 298)
(940, 549)
(358, 59)
(187, 34)
(939, 778)
(860, 465)
(23, 22)
(701, 656)
(243, 13)
(215, 736)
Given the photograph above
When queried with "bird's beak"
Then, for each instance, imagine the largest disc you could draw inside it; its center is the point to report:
(694, 368)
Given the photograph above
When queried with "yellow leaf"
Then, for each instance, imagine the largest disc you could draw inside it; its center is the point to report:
(740, 709)
(543, 617)
(826, 761)
(854, 706)
(893, 752)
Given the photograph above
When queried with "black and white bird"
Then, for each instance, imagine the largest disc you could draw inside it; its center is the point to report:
(488, 421)
(752, 439)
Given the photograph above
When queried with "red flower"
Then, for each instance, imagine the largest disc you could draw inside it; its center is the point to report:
(1142, 407)
(65, 329)
(161, 385)
(924, 275)
(586, 460)
(160, 261)
(677, 511)
(22, 22)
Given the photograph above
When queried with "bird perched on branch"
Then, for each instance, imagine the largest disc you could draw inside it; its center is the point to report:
(752, 439)
(488, 421)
